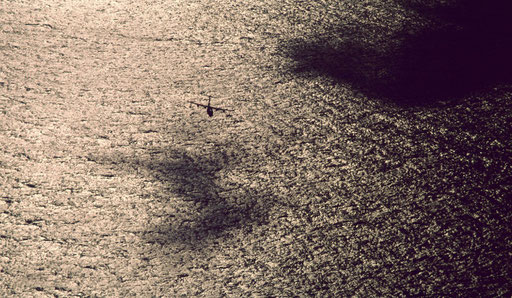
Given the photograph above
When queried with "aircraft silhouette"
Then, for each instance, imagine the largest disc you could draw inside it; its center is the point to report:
(209, 108)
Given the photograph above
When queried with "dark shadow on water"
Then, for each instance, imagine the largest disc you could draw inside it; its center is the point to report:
(193, 193)
(466, 50)
(202, 204)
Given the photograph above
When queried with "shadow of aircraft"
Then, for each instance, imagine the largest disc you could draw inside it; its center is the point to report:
(465, 51)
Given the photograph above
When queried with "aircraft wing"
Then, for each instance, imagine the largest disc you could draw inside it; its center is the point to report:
(198, 104)
(215, 108)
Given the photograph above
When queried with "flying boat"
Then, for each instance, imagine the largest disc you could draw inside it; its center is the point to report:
(209, 108)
